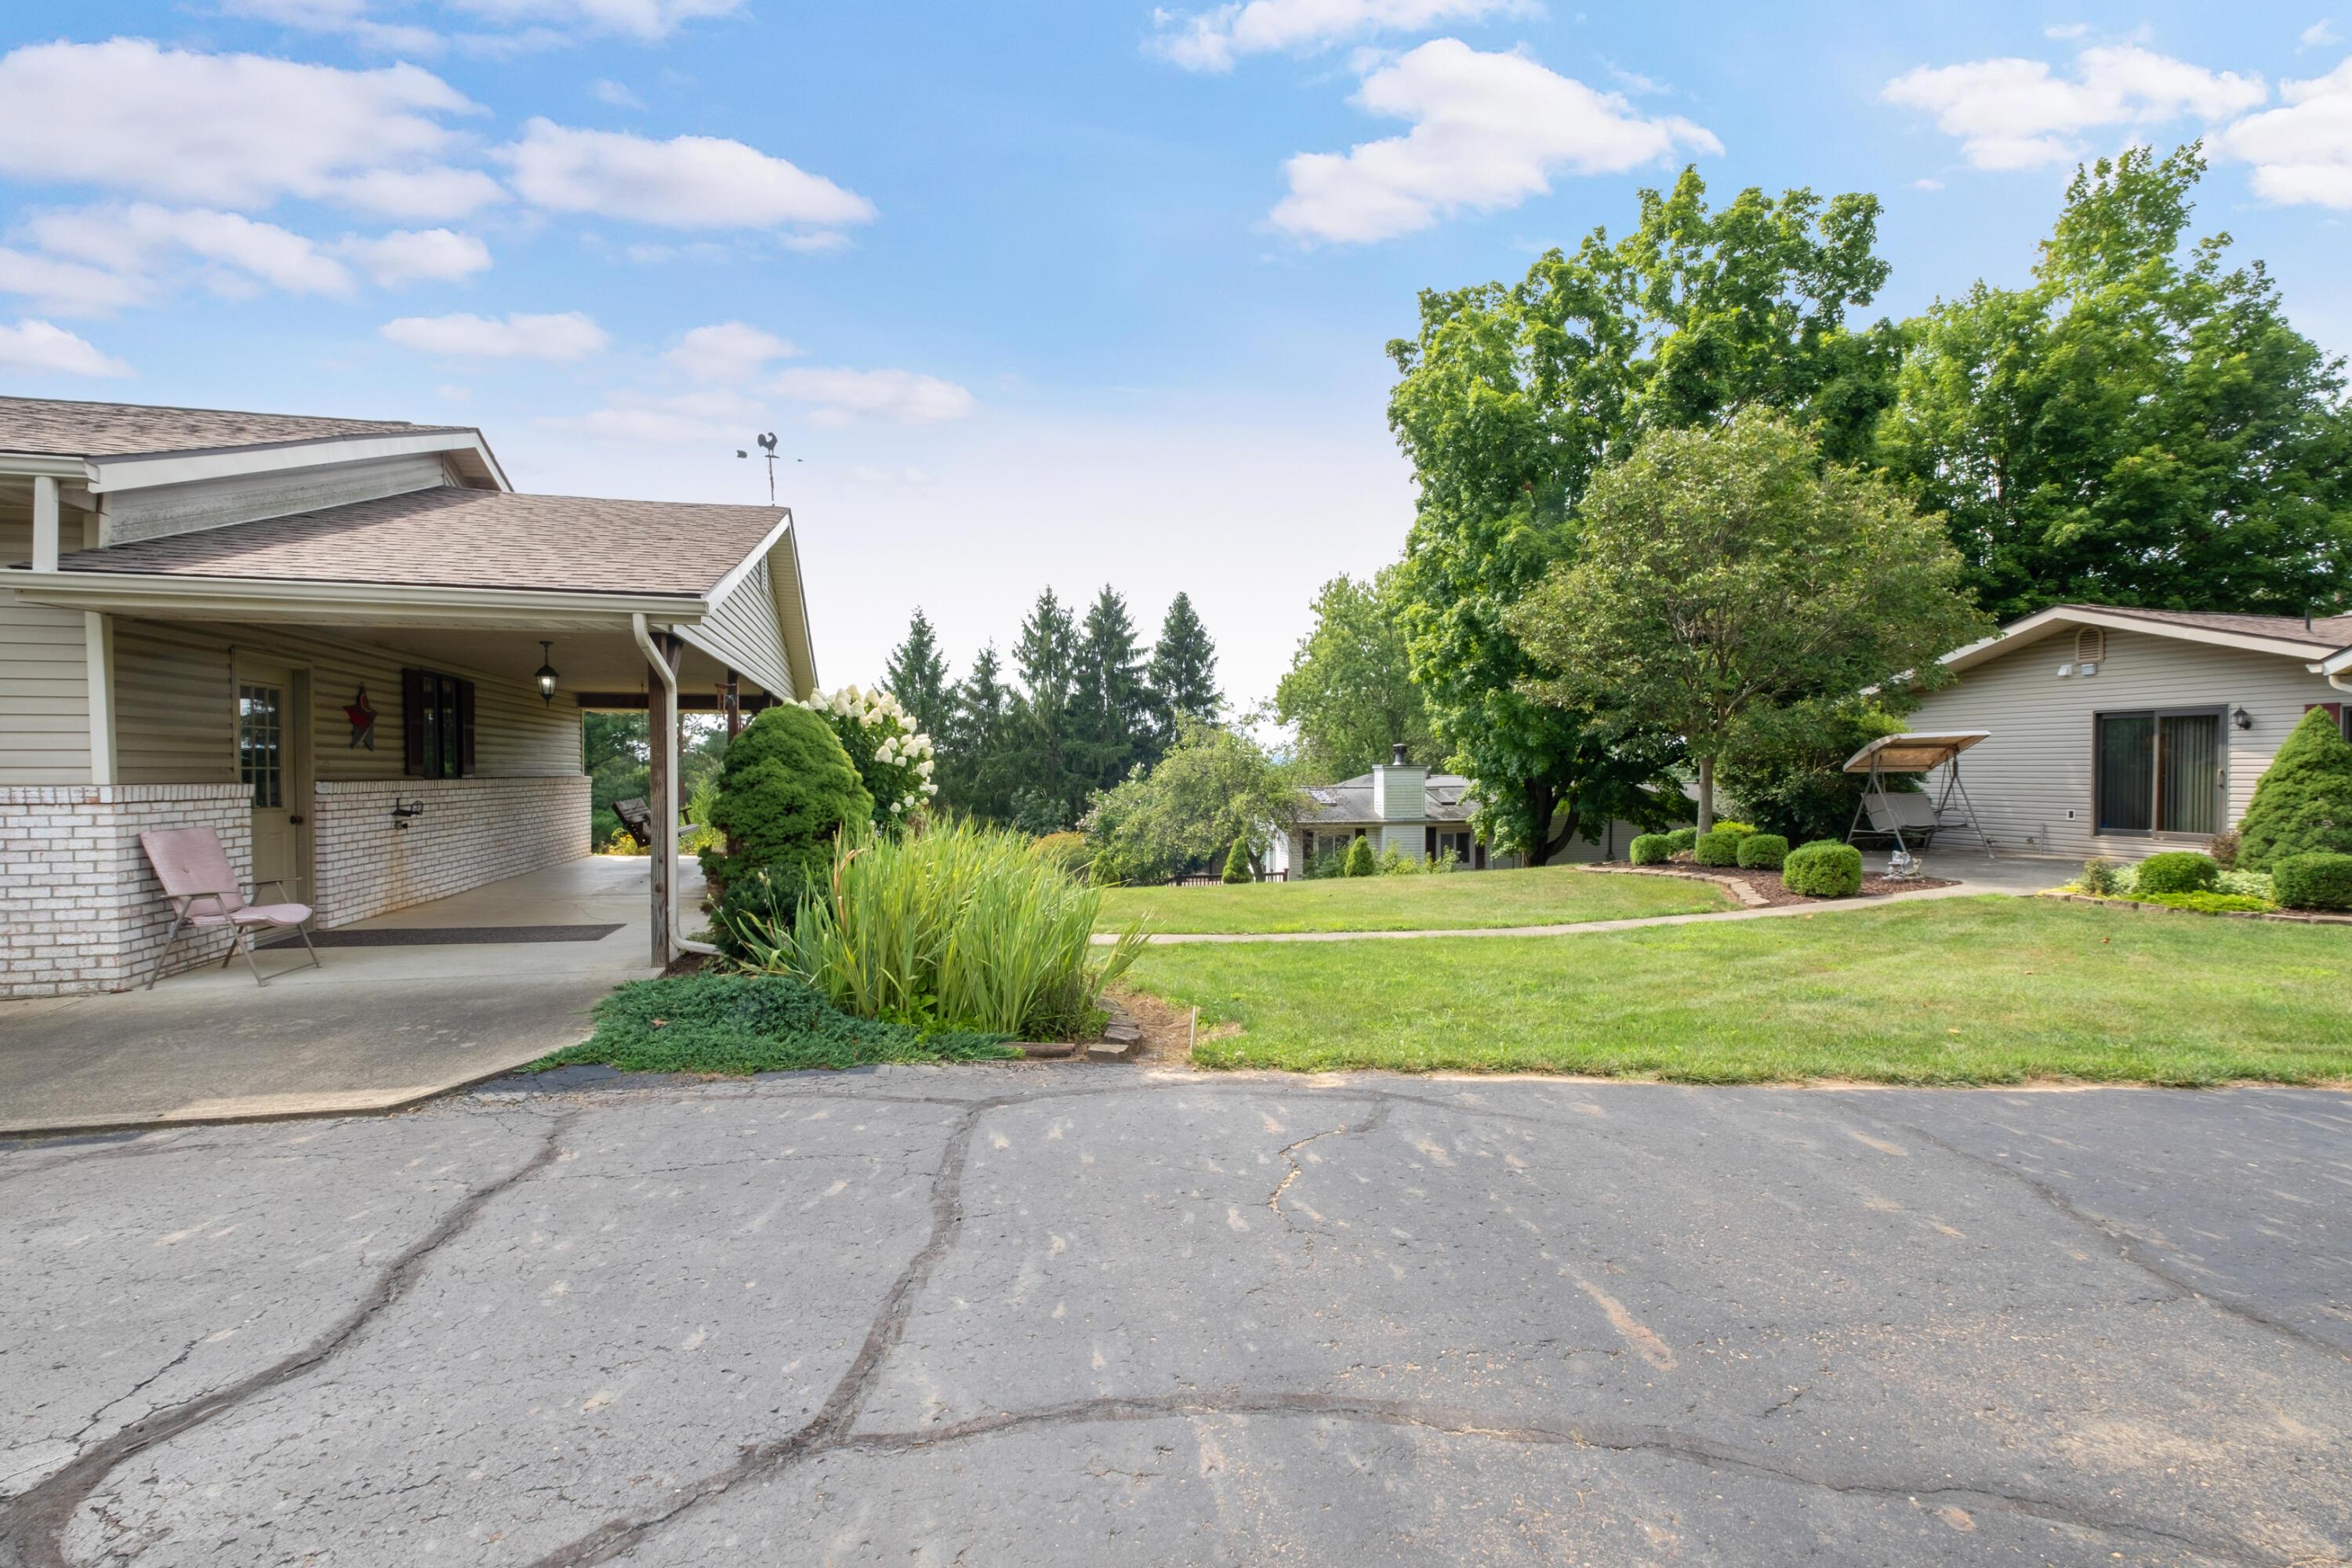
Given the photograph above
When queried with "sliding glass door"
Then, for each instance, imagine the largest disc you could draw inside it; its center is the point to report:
(2160, 772)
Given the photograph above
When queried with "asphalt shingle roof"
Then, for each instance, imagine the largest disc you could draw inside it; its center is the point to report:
(58, 428)
(454, 538)
(1350, 800)
(2332, 631)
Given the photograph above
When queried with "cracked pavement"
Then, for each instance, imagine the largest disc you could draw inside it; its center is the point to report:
(1034, 1314)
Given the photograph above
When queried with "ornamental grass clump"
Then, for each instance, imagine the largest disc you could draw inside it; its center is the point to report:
(959, 928)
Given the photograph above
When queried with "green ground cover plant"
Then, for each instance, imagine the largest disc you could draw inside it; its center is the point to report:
(1980, 990)
(752, 1023)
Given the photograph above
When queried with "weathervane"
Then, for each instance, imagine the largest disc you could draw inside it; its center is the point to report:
(767, 444)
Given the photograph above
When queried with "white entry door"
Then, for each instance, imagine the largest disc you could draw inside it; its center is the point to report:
(268, 736)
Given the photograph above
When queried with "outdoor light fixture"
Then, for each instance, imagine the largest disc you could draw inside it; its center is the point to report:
(546, 676)
(2242, 719)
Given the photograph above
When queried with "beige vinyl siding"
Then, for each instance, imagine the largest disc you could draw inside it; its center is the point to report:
(44, 677)
(741, 632)
(2037, 767)
(176, 686)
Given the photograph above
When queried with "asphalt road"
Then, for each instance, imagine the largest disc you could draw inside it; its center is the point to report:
(1068, 1315)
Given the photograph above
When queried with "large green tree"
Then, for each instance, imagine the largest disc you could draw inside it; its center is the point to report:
(1183, 670)
(1349, 687)
(2139, 425)
(1214, 787)
(917, 675)
(1510, 398)
(974, 762)
(1724, 572)
(1046, 791)
(1112, 727)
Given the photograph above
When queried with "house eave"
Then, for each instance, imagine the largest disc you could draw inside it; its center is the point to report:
(2010, 636)
(146, 470)
(162, 596)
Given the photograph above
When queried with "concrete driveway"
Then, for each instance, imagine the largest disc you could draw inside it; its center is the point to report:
(1037, 1314)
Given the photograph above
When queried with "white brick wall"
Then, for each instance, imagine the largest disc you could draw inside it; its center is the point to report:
(472, 831)
(80, 905)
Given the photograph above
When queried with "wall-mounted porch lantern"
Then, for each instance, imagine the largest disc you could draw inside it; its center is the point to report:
(546, 676)
(2241, 718)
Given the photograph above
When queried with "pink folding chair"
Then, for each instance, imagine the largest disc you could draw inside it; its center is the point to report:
(194, 870)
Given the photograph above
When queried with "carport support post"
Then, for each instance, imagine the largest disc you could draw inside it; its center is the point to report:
(661, 757)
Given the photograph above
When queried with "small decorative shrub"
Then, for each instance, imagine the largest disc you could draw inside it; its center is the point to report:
(1824, 870)
(2315, 881)
(1716, 848)
(2225, 849)
(2210, 903)
(1361, 862)
(1237, 863)
(1680, 839)
(1066, 852)
(2177, 871)
(2303, 804)
(1652, 848)
(1763, 852)
(2101, 878)
(894, 760)
(785, 790)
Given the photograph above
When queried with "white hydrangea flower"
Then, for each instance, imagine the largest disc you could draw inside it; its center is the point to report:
(897, 806)
(930, 788)
(924, 767)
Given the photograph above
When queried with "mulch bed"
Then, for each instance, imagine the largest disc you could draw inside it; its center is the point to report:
(1764, 888)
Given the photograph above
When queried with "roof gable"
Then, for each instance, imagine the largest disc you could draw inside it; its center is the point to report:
(2288, 636)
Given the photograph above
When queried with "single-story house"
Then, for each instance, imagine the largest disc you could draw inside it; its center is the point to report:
(1403, 806)
(348, 646)
(2121, 732)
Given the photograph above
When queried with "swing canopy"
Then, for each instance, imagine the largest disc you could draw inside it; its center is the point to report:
(1912, 754)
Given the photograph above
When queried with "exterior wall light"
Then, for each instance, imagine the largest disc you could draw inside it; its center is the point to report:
(2241, 718)
(546, 676)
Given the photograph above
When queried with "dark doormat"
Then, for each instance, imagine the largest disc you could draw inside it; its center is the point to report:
(448, 936)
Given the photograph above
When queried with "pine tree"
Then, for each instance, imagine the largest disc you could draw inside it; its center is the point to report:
(1111, 724)
(917, 676)
(972, 764)
(2303, 804)
(1184, 673)
(1046, 656)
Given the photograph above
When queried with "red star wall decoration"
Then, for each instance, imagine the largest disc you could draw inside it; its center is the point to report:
(363, 717)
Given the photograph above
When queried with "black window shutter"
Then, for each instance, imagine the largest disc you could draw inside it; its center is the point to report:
(464, 728)
(413, 706)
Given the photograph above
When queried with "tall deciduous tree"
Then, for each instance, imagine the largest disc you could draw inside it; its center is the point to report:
(1213, 787)
(917, 675)
(1112, 729)
(1725, 572)
(1511, 397)
(2141, 425)
(1349, 687)
(1184, 673)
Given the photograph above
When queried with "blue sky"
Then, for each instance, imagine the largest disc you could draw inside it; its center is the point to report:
(1040, 293)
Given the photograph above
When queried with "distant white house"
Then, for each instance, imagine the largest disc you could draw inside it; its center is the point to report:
(1403, 806)
(2123, 731)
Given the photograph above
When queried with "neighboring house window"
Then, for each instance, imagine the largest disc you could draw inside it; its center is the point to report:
(260, 748)
(2158, 772)
(437, 714)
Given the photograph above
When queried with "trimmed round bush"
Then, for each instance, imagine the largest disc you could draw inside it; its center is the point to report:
(1716, 848)
(784, 789)
(2316, 881)
(1360, 860)
(2303, 804)
(1680, 839)
(1824, 870)
(1651, 849)
(1763, 852)
(2178, 871)
(1237, 864)
(1742, 829)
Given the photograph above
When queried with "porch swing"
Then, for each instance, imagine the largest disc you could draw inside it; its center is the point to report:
(1911, 817)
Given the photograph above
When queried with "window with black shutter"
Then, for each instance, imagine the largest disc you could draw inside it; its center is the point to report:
(436, 724)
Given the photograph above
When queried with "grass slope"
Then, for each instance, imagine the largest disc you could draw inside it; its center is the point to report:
(1989, 990)
(748, 1024)
(1547, 895)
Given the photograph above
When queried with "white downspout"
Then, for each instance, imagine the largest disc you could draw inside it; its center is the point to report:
(666, 824)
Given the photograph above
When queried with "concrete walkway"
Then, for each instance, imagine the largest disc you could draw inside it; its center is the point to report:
(372, 1029)
(1088, 1316)
(2017, 877)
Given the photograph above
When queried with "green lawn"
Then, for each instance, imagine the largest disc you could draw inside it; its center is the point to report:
(1989, 990)
(1548, 895)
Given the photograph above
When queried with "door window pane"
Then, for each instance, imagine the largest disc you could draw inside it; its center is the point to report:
(259, 757)
(2189, 787)
(2127, 772)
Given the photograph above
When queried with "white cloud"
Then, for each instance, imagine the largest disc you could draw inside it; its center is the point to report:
(2301, 153)
(614, 93)
(569, 336)
(836, 397)
(133, 240)
(69, 287)
(730, 352)
(37, 345)
(688, 182)
(234, 131)
(347, 17)
(697, 418)
(2067, 30)
(416, 255)
(647, 19)
(1489, 131)
(2017, 114)
(2320, 35)
(1927, 183)
(1210, 41)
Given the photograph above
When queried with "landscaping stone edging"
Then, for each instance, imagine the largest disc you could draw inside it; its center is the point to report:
(1739, 888)
(2289, 917)
(1121, 1040)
